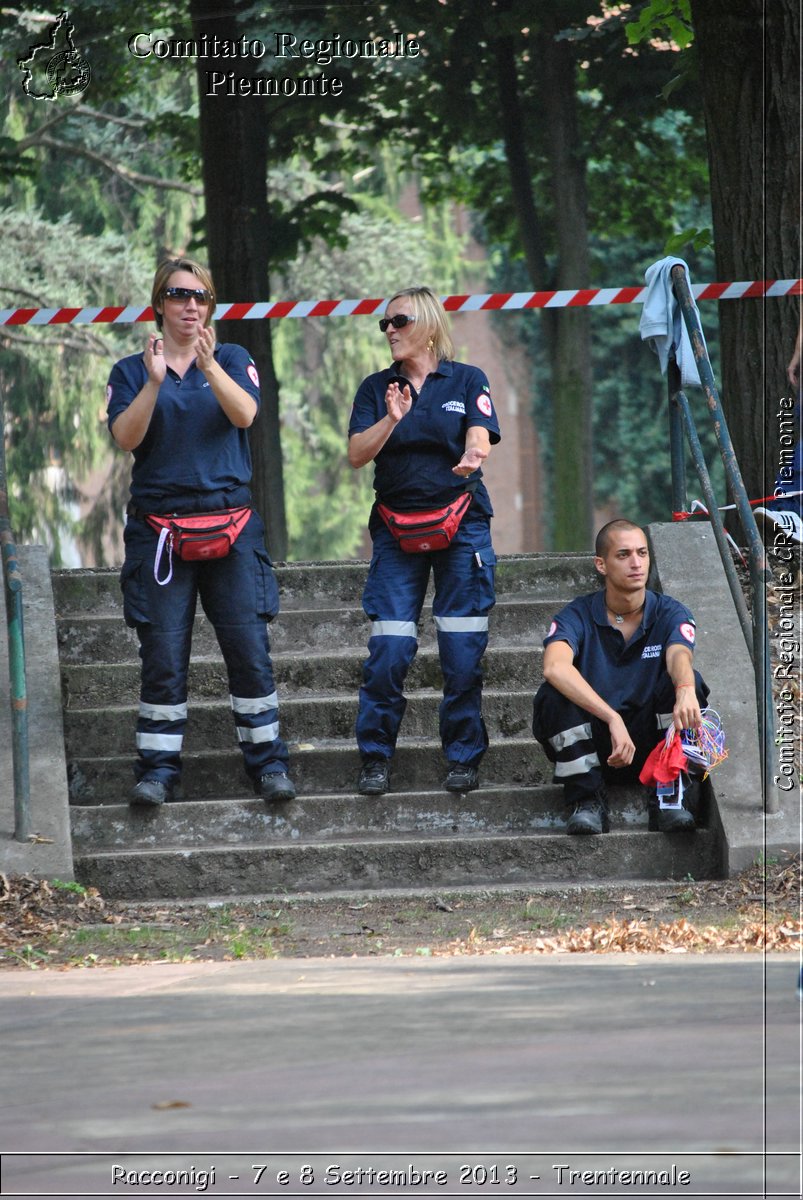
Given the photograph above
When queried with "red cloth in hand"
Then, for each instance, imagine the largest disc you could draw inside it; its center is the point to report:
(664, 763)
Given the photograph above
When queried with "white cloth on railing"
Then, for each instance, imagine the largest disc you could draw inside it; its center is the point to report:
(662, 326)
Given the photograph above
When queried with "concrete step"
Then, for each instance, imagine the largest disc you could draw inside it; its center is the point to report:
(310, 818)
(369, 863)
(298, 673)
(103, 637)
(217, 839)
(110, 730)
(309, 585)
(318, 767)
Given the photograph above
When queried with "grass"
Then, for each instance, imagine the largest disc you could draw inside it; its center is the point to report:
(62, 926)
(220, 938)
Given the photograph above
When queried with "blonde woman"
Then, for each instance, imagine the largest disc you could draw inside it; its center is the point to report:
(427, 424)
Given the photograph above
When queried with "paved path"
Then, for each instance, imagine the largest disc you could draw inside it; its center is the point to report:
(516, 1069)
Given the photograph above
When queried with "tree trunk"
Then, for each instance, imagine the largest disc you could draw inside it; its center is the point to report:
(749, 54)
(571, 336)
(234, 134)
(518, 164)
(566, 332)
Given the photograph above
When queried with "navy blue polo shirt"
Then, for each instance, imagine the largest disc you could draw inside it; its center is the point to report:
(191, 446)
(413, 470)
(623, 674)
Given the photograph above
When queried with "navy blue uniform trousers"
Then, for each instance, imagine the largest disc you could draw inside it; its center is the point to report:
(393, 598)
(579, 745)
(239, 595)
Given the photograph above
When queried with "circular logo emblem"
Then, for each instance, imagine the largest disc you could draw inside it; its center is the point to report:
(688, 631)
(552, 628)
(68, 72)
(484, 405)
(108, 393)
(253, 374)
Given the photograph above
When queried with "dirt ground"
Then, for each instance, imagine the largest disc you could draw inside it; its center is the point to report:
(61, 925)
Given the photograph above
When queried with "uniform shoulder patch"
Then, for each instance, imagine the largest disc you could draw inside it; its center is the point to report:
(688, 632)
(484, 405)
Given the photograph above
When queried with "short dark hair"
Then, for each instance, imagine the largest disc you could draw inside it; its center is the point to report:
(603, 540)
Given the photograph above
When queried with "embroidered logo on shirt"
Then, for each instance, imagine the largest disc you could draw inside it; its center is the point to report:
(552, 628)
(253, 374)
(484, 405)
(108, 393)
(454, 406)
(651, 652)
(687, 631)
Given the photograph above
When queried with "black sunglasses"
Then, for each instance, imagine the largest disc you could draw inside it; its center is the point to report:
(200, 295)
(398, 322)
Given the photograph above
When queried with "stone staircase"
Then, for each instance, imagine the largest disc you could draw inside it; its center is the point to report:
(221, 840)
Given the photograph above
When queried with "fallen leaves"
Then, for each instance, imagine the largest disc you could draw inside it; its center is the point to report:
(57, 924)
(615, 936)
(31, 908)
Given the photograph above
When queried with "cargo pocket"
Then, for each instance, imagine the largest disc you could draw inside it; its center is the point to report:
(267, 589)
(135, 601)
(484, 577)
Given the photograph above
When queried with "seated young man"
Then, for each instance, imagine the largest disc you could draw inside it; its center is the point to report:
(617, 673)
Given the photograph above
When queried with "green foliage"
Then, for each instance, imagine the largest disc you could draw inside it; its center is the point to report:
(631, 421)
(698, 239)
(53, 378)
(315, 217)
(68, 885)
(320, 362)
(662, 18)
(105, 182)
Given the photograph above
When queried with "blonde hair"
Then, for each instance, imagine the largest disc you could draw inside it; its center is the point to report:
(161, 280)
(429, 312)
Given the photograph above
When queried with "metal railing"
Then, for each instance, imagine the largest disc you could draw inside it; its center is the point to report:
(12, 580)
(681, 421)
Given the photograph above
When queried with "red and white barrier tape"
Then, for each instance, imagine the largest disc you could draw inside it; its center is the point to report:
(697, 506)
(496, 301)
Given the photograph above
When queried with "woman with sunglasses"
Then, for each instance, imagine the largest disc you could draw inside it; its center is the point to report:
(183, 408)
(427, 423)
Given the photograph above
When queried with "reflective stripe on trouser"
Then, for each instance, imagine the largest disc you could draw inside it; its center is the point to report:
(160, 728)
(239, 595)
(579, 745)
(393, 598)
(162, 716)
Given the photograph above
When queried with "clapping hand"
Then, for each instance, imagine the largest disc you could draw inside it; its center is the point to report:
(155, 363)
(205, 348)
(398, 402)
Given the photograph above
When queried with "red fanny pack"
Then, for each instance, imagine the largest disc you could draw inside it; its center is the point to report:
(418, 532)
(197, 536)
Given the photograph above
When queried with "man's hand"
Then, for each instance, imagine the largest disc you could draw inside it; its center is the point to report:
(686, 713)
(622, 747)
